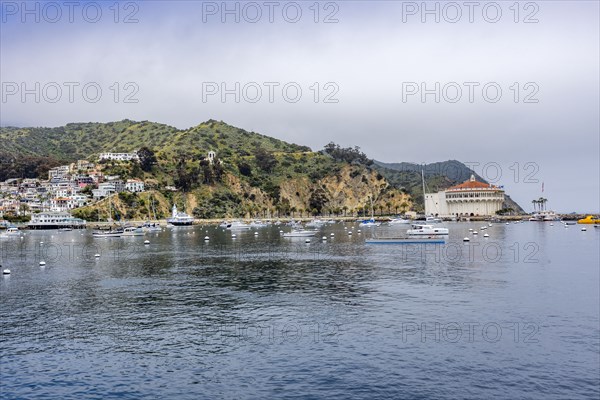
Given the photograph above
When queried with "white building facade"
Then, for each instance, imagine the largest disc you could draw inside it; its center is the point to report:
(470, 198)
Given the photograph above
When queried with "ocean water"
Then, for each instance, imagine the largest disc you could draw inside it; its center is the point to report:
(514, 315)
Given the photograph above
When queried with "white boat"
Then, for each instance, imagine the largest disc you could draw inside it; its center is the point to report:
(315, 223)
(179, 218)
(258, 224)
(395, 221)
(370, 222)
(300, 233)
(432, 220)
(544, 215)
(133, 231)
(237, 226)
(151, 227)
(429, 230)
(108, 233)
(12, 231)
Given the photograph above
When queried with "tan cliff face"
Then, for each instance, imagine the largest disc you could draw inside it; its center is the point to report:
(347, 192)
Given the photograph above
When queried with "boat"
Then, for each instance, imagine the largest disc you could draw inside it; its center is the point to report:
(433, 220)
(108, 233)
(370, 222)
(544, 215)
(258, 224)
(151, 227)
(315, 223)
(55, 220)
(300, 233)
(179, 218)
(426, 230)
(133, 231)
(589, 220)
(237, 226)
(11, 231)
(399, 220)
(407, 240)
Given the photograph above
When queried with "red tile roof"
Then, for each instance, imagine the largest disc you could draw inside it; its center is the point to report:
(472, 184)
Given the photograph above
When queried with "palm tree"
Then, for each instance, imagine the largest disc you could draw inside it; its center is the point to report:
(389, 206)
(403, 207)
(345, 208)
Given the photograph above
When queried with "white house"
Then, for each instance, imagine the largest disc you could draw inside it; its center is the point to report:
(134, 185)
(470, 198)
(119, 156)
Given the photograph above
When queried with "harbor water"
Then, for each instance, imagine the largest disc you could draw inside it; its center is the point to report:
(512, 315)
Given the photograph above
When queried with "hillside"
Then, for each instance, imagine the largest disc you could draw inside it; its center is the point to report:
(252, 174)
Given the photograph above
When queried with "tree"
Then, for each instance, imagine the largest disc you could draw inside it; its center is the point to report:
(265, 160)
(147, 159)
(318, 199)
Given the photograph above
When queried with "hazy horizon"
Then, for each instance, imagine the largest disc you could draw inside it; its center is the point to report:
(362, 70)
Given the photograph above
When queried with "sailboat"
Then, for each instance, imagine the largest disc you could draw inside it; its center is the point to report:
(370, 222)
(107, 233)
(152, 226)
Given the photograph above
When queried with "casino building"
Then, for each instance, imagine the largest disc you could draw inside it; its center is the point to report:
(470, 198)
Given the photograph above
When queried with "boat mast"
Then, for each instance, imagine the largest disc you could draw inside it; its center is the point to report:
(423, 182)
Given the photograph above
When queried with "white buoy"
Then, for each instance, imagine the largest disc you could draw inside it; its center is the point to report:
(486, 235)
(470, 229)
(307, 241)
(41, 242)
(280, 231)
(146, 242)
(475, 232)
(42, 263)
(350, 233)
(206, 238)
(489, 224)
(359, 231)
(466, 239)
(583, 229)
(97, 255)
(507, 223)
(233, 235)
(332, 234)
(255, 233)
(6, 272)
(551, 224)
(324, 237)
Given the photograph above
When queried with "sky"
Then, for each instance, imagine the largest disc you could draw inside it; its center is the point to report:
(511, 88)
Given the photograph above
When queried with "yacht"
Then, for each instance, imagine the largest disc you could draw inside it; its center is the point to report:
(236, 226)
(544, 215)
(300, 233)
(315, 223)
(433, 220)
(179, 218)
(418, 229)
(11, 231)
(108, 233)
(370, 222)
(258, 224)
(55, 220)
(133, 231)
(399, 220)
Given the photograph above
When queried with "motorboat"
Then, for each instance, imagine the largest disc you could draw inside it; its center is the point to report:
(398, 220)
(427, 230)
(258, 224)
(108, 233)
(433, 220)
(407, 240)
(237, 226)
(151, 227)
(370, 222)
(12, 231)
(300, 233)
(544, 215)
(315, 223)
(133, 231)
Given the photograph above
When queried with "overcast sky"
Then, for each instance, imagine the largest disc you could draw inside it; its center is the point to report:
(361, 69)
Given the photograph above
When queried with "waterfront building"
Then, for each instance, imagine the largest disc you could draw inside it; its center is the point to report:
(470, 198)
(119, 156)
